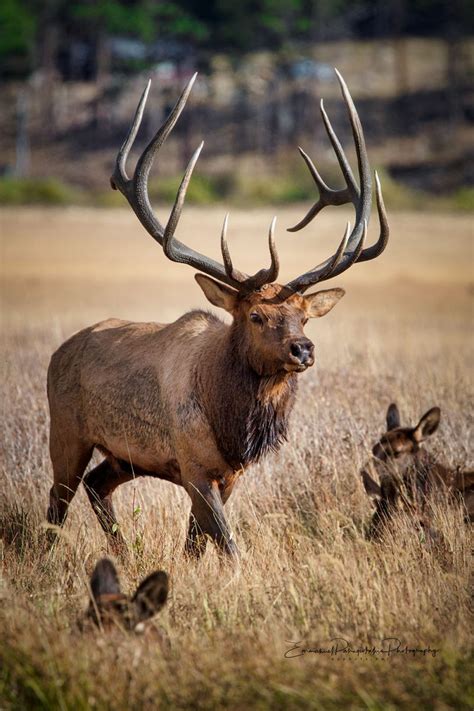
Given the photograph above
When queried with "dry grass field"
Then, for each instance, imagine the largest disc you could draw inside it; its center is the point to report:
(403, 332)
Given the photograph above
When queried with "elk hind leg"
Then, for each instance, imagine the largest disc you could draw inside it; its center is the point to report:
(100, 483)
(69, 462)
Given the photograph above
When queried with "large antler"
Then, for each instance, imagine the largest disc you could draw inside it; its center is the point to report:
(136, 191)
(351, 248)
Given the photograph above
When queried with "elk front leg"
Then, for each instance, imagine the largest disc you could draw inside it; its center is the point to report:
(207, 519)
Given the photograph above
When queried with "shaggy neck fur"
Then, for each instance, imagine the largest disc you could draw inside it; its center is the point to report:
(248, 412)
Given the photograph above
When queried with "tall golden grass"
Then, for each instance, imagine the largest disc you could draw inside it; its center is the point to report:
(308, 574)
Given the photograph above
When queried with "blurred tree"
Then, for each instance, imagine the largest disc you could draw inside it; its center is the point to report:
(143, 19)
(98, 19)
(17, 33)
(29, 29)
(251, 24)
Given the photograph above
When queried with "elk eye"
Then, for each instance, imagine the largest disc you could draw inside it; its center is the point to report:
(256, 318)
(305, 321)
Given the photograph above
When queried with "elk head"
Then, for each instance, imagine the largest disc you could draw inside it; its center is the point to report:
(110, 607)
(268, 317)
(269, 323)
(396, 464)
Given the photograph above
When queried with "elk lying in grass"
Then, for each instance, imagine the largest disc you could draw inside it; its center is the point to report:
(196, 401)
(409, 474)
(109, 607)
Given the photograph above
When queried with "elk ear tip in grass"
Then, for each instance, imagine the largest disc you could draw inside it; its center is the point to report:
(109, 606)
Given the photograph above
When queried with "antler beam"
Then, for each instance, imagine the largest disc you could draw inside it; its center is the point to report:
(135, 190)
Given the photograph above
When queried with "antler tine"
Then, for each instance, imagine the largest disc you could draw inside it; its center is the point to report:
(352, 189)
(364, 194)
(145, 161)
(170, 244)
(275, 266)
(360, 197)
(136, 189)
(120, 178)
(179, 252)
(324, 270)
(264, 276)
(376, 249)
(229, 267)
(327, 196)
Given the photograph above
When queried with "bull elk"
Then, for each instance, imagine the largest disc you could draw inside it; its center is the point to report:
(402, 471)
(109, 606)
(196, 401)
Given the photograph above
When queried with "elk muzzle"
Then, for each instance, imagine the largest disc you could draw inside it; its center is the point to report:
(301, 355)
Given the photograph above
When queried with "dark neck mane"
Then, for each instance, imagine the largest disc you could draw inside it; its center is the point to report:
(249, 413)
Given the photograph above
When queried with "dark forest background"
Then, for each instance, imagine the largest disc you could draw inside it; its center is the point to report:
(71, 73)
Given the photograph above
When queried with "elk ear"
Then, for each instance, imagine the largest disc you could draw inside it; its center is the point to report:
(104, 579)
(218, 294)
(393, 417)
(427, 425)
(321, 302)
(151, 595)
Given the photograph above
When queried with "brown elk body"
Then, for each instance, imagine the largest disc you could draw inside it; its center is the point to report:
(196, 401)
(409, 474)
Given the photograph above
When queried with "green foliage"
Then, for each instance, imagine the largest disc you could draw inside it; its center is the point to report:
(283, 187)
(110, 198)
(399, 197)
(271, 23)
(217, 25)
(175, 20)
(49, 191)
(463, 199)
(144, 19)
(272, 190)
(17, 31)
(35, 678)
(202, 190)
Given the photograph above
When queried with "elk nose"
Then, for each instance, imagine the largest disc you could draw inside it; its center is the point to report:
(303, 350)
